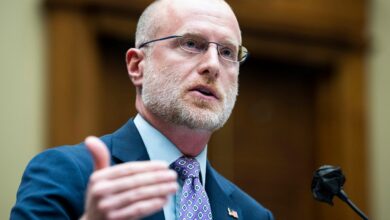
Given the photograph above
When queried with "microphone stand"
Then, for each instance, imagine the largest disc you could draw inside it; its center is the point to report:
(328, 181)
(343, 196)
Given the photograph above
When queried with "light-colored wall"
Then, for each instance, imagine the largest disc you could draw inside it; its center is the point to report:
(22, 102)
(21, 93)
(379, 107)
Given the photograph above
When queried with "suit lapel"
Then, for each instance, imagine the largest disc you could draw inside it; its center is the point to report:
(127, 146)
(219, 195)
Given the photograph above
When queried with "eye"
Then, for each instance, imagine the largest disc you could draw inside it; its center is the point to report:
(192, 44)
(228, 53)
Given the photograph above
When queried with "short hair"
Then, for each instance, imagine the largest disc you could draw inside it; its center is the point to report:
(147, 25)
(149, 22)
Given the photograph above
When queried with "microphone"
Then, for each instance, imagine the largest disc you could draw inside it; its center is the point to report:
(328, 181)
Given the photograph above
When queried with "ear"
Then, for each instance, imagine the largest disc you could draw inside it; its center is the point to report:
(135, 65)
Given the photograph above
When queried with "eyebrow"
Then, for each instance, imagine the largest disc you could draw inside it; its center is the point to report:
(226, 41)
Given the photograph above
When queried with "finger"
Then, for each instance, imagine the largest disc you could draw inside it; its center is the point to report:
(129, 168)
(139, 209)
(136, 195)
(141, 179)
(99, 151)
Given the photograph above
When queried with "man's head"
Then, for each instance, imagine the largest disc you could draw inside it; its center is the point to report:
(176, 85)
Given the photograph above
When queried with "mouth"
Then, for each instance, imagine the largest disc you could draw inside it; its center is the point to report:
(205, 91)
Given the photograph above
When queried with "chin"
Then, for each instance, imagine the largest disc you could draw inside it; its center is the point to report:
(201, 119)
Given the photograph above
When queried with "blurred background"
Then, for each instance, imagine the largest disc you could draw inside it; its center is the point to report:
(314, 91)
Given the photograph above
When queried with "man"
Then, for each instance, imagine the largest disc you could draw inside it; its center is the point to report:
(185, 69)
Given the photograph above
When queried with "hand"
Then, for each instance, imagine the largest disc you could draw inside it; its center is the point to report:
(126, 191)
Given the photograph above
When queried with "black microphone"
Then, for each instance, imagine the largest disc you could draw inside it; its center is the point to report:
(328, 181)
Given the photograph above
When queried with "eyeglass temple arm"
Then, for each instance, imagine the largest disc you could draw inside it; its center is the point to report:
(164, 38)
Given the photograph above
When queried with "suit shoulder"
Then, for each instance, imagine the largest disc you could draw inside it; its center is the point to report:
(76, 155)
(72, 155)
(53, 184)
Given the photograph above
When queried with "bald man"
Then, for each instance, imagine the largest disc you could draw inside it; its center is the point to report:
(185, 68)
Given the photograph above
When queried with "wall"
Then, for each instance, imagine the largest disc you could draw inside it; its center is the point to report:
(21, 93)
(379, 109)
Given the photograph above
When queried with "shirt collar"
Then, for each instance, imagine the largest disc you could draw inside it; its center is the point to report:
(161, 148)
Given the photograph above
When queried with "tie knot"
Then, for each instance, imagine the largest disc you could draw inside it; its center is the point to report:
(186, 167)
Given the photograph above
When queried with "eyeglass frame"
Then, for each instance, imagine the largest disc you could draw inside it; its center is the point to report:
(208, 43)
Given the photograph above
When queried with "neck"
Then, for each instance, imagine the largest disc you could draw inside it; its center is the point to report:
(190, 142)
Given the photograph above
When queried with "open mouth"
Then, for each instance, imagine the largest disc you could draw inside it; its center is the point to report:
(206, 91)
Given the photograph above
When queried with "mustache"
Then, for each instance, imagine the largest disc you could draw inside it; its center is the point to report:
(209, 79)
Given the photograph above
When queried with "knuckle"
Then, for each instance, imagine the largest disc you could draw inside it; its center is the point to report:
(164, 188)
(93, 191)
(133, 181)
(101, 207)
(124, 170)
(97, 190)
(138, 211)
(135, 194)
(93, 178)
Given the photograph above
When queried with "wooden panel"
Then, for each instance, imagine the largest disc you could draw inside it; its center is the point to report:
(73, 80)
(340, 21)
(87, 95)
(311, 17)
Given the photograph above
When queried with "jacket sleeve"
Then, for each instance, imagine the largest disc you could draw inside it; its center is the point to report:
(53, 185)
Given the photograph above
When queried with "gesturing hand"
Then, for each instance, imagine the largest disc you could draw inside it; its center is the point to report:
(126, 191)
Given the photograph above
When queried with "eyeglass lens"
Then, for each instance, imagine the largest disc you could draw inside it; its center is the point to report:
(196, 44)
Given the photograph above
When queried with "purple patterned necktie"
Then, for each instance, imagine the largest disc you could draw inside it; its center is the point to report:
(194, 203)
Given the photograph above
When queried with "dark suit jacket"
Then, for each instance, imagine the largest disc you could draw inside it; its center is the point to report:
(54, 183)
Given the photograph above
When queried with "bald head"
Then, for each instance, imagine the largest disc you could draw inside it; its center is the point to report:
(163, 14)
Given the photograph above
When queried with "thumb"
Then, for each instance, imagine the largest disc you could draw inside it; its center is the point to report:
(99, 151)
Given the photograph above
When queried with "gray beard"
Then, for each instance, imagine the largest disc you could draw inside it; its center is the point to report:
(161, 95)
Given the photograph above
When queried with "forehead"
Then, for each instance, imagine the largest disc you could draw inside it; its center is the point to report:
(211, 18)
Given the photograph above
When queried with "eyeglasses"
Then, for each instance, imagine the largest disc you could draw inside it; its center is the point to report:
(197, 44)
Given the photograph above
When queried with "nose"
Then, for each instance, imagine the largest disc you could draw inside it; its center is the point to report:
(210, 63)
